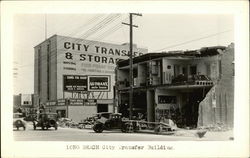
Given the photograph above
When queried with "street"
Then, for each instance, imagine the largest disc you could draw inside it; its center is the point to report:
(74, 134)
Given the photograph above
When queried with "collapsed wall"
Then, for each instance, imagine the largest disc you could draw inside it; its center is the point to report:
(218, 105)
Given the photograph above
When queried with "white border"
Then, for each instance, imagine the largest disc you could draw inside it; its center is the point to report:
(237, 148)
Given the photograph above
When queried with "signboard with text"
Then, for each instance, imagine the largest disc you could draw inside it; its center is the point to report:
(81, 56)
(74, 83)
(99, 83)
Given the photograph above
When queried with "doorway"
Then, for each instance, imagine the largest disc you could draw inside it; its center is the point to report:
(102, 108)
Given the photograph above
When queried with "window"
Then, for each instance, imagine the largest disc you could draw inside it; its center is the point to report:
(193, 70)
(26, 102)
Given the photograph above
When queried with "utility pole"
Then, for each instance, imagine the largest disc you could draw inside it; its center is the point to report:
(131, 79)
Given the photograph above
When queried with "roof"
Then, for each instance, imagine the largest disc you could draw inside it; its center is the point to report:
(203, 52)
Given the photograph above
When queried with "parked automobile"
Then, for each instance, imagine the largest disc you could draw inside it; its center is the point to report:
(18, 121)
(30, 117)
(46, 120)
(114, 121)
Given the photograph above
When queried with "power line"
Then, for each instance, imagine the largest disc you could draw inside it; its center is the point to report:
(91, 21)
(193, 40)
(98, 26)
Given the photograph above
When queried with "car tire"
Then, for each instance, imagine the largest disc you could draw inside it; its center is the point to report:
(158, 129)
(129, 128)
(42, 127)
(124, 128)
(98, 128)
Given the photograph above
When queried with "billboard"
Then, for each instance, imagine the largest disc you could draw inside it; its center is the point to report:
(74, 83)
(99, 83)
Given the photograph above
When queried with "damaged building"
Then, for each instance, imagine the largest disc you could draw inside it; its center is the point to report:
(193, 88)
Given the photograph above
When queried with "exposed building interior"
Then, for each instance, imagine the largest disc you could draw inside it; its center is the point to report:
(170, 85)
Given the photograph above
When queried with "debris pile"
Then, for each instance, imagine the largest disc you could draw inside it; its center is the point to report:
(66, 122)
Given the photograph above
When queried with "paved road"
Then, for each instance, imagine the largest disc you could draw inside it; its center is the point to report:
(73, 134)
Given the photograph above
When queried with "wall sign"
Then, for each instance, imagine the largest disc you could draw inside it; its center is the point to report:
(74, 83)
(99, 83)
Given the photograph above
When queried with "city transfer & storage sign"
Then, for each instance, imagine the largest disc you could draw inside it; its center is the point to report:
(81, 56)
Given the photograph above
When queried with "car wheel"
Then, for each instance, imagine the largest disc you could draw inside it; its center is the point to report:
(129, 128)
(98, 128)
(158, 129)
(124, 128)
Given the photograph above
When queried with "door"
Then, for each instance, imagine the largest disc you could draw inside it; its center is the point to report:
(102, 108)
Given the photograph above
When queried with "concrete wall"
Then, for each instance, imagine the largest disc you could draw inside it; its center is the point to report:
(36, 101)
(53, 69)
(202, 65)
(222, 109)
(110, 108)
(17, 100)
(78, 113)
(166, 93)
(43, 94)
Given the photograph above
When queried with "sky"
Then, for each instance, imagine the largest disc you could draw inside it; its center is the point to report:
(156, 32)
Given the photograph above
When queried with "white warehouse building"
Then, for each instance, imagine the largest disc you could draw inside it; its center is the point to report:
(75, 77)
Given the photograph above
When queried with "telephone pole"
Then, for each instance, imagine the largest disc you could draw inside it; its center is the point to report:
(131, 79)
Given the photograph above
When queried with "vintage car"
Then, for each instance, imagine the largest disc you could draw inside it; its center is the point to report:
(18, 121)
(46, 120)
(114, 121)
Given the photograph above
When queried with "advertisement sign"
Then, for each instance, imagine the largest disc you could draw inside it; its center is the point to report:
(99, 83)
(76, 101)
(74, 83)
